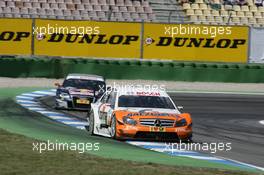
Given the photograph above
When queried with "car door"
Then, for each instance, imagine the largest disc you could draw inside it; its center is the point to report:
(107, 107)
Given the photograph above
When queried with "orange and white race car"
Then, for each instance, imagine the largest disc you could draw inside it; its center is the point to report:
(148, 115)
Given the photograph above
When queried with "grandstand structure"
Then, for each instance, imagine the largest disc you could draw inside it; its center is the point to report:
(201, 12)
(166, 11)
(103, 10)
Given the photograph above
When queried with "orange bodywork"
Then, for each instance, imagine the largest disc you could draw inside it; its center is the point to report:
(141, 131)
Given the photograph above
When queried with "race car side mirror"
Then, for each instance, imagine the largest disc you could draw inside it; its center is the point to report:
(57, 84)
(109, 88)
(180, 107)
(107, 104)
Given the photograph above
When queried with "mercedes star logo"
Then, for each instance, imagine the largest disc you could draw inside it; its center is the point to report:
(157, 123)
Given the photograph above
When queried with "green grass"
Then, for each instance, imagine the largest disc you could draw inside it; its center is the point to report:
(17, 157)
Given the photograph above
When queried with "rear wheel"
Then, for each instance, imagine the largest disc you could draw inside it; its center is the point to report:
(113, 127)
(90, 119)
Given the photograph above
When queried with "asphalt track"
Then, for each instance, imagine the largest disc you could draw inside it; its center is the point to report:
(220, 118)
(228, 118)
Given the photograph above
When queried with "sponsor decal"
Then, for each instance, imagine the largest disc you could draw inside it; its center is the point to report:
(148, 93)
(15, 36)
(156, 114)
(157, 129)
(92, 39)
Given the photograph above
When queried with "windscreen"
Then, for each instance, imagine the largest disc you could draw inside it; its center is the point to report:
(145, 102)
(84, 84)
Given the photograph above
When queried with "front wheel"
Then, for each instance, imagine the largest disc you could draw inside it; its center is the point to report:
(188, 139)
(113, 127)
(90, 120)
(56, 105)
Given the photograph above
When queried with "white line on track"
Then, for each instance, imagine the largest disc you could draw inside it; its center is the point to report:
(75, 123)
(146, 143)
(30, 105)
(25, 97)
(80, 127)
(261, 122)
(201, 157)
(50, 112)
(59, 117)
(171, 150)
(26, 101)
(37, 109)
(44, 92)
(242, 163)
(32, 95)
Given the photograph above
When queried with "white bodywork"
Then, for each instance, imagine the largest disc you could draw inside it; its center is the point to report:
(84, 77)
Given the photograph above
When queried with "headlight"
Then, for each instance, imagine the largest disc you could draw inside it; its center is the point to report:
(129, 121)
(65, 95)
(181, 122)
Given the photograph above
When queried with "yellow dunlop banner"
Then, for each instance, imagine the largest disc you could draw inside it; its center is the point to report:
(196, 42)
(15, 36)
(87, 39)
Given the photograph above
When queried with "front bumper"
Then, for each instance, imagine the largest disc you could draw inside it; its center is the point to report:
(72, 104)
(129, 132)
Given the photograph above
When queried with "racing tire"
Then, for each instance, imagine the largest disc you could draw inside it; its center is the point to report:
(188, 140)
(90, 119)
(56, 106)
(113, 127)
